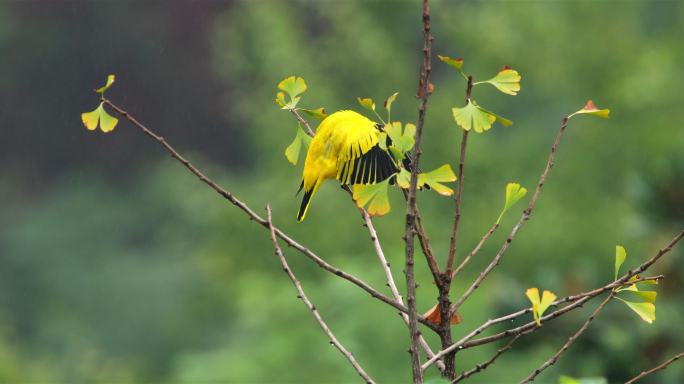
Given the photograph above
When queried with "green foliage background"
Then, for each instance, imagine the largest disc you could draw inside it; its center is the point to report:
(116, 265)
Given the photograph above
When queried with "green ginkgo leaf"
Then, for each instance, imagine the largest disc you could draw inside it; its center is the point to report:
(110, 80)
(455, 63)
(645, 310)
(293, 86)
(539, 306)
(591, 109)
(375, 196)
(280, 99)
(620, 256)
(506, 81)
(404, 178)
(584, 380)
(367, 103)
(318, 113)
(402, 140)
(514, 192)
(472, 116)
(99, 116)
(292, 150)
(435, 178)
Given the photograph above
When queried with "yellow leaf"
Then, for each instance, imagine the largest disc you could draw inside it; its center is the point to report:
(645, 310)
(506, 81)
(319, 113)
(107, 121)
(373, 195)
(366, 102)
(404, 178)
(514, 192)
(436, 177)
(620, 256)
(280, 99)
(92, 118)
(390, 100)
(591, 109)
(539, 306)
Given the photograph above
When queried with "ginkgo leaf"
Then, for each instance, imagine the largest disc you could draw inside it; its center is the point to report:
(506, 81)
(293, 86)
(110, 80)
(620, 256)
(585, 380)
(367, 103)
(514, 192)
(390, 100)
(319, 113)
(373, 195)
(455, 63)
(645, 310)
(106, 121)
(404, 178)
(403, 141)
(472, 116)
(591, 109)
(280, 99)
(648, 296)
(443, 174)
(539, 306)
(292, 150)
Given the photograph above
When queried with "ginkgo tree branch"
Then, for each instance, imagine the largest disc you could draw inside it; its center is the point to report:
(300, 294)
(390, 280)
(525, 216)
(263, 222)
(552, 360)
(423, 95)
(475, 250)
(655, 369)
(482, 366)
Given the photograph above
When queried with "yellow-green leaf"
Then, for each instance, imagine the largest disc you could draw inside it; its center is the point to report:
(402, 141)
(404, 178)
(539, 306)
(472, 117)
(373, 195)
(292, 150)
(502, 120)
(319, 113)
(648, 296)
(514, 192)
(443, 174)
(280, 99)
(110, 80)
(106, 121)
(620, 256)
(455, 63)
(367, 103)
(645, 310)
(506, 81)
(92, 118)
(591, 109)
(294, 86)
(390, 100)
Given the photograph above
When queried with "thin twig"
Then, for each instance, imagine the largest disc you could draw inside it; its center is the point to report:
(552, 360)
(482, 366)
(655, 369)
(525, 216)
(577, 300)
(263, 222)
(423, 94)
(301, 120)
(390, 280)
(458, 196)
(312, 308)
(475, 250)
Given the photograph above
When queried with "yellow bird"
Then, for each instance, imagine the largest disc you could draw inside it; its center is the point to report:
(345, 147)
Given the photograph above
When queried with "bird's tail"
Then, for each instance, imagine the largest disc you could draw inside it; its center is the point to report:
(306, 200)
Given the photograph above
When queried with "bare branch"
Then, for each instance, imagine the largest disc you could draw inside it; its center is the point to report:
(302, 121)
(458, 196)
(263, 222)
(423, 94)
(482, 366)
(655, 369)
(568, 343)
(475, 250)
(525, 216)
(390, 280)
(312, 308)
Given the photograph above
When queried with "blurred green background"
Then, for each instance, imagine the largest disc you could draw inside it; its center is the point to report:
(117, 265)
